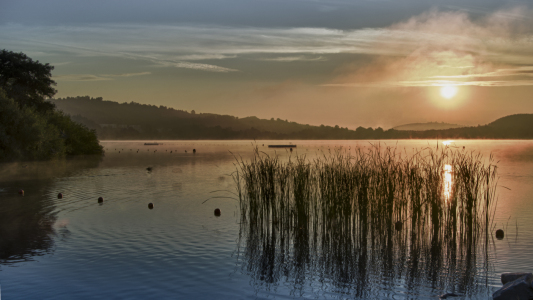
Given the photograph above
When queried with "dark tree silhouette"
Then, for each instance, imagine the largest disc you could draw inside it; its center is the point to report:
(30, 127)
(28, 82)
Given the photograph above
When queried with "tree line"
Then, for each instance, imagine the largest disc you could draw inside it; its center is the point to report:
(113, 120)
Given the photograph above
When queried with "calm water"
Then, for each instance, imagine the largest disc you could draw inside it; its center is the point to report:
(73, 247)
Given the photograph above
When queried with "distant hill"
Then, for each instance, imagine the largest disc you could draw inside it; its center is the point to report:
(517, 126)
(113, 120)
(519, 121)
(427, 126)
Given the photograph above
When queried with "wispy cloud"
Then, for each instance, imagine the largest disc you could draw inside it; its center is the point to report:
(203, 67)
(80, 77)
(494, 35)
(293, 58)
(421, 48)
(127, 74)
(206, 56)
(90, 77)
(449, 48)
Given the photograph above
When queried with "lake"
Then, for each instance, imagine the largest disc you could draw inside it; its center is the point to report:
(77, 248)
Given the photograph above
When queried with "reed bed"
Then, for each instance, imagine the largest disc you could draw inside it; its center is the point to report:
(348, 214)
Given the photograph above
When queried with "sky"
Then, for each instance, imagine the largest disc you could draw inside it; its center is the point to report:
(371, 63)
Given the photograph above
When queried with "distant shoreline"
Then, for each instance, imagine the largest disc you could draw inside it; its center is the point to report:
(391, 139)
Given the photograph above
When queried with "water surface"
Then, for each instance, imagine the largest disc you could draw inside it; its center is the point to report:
(74, 247)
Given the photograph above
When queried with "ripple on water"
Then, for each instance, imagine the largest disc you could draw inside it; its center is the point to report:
(179, 249)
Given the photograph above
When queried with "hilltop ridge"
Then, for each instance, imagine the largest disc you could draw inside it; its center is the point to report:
(113, 120)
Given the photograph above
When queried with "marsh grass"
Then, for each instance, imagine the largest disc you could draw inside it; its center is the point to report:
(336, 214)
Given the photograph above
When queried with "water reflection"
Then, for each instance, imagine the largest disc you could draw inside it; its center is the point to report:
(26, 228)
(27, 223)
(356, 261)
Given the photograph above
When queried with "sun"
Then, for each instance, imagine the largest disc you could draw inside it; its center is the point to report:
(448, 91)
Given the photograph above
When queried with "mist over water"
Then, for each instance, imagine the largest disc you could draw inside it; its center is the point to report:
(74, 247)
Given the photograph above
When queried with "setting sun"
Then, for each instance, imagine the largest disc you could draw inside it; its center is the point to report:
(448, 91)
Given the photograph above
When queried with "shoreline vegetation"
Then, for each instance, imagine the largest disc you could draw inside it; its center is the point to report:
(30, 126)
(366, 214)
(135, 121)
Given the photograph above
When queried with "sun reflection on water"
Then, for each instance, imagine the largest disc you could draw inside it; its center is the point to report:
(447, 143)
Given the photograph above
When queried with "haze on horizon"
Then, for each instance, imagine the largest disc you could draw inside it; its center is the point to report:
(347, 63)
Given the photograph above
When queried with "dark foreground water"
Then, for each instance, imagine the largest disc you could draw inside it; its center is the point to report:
(76, 248)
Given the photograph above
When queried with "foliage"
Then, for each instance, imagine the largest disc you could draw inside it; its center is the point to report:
(28, 82)
(25, 134)
(78, 138)
(30, 127)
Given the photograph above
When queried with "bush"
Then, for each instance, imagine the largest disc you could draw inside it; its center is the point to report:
(78, 138)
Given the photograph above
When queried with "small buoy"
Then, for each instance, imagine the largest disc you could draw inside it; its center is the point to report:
(100, 199)
(185, 151)
(150, 205)
(398, 225)
(60, 196)
(217, 212)
(149, 169)
(499, 234)
(193, 150)
(21, 192)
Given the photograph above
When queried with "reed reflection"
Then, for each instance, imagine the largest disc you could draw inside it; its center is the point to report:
(368, 225)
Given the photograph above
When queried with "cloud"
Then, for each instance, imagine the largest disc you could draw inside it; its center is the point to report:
(90, 77)
(127, 74)
(80, 77)
(293, 58)
(443, 48)
(203, 67)
(500, 40)
(203, 56)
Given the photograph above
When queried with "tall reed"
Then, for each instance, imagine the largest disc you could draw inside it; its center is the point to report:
(449, 193)
(344, 213)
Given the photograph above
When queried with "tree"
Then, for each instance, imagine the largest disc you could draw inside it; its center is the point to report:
(78, 138)
(25, 134)
(27, 82)
(30, 127)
